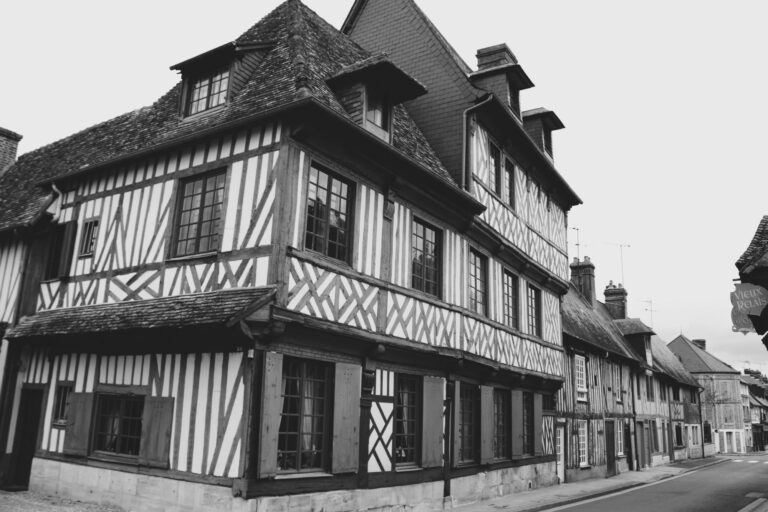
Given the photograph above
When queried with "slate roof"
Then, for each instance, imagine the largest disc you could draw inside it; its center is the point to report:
(696, 360)
(758, 247)
(212, 308)
(593, 324)
(666, 361)
(294, 69)
(629, 326)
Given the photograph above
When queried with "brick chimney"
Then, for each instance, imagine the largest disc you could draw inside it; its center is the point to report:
(702, 344)
(616, 300)
(493, 56)
(583, 278)
(9, 142)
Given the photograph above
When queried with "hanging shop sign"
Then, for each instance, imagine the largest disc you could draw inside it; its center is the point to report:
(747, 300)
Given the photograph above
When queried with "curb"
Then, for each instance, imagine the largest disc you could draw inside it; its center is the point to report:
(599, 494)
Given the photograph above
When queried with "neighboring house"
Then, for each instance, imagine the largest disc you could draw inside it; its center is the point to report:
(722, 408)
(758, 407)
(595, 407)
(746, 414)
(268, 284)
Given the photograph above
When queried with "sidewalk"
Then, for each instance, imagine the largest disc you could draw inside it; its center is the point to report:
(564, 494)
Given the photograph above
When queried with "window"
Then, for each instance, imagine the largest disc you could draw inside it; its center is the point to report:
(548, 402)
(426, 258)
(583, 442)
(649, 388)
(469, 419)
(61, 403)
(208, 91)
(678, 434)
(305, 420)
(509, 173)
(580, 374)
(675, 392)
(201, 200)
(528, 440)
(662, 392)
(695, 434)
(511, 291)
(496, 176)
(406, 419)
(329, 213)
(478, 265)
(655, 436)
(707, 432)
(377, 114)
(548, 142)
(618, 390)
(501, 424)
(663, 428)
(61, 246)
(694, 395)
(534, 311)
(620, 437)
(88, 238)
(118, 424)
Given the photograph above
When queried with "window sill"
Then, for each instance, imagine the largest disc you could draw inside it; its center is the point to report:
(132, 460)
(203, 113)
(59, 424)
(410, 468)
(189, 257)
(585, 466)
(295, 476)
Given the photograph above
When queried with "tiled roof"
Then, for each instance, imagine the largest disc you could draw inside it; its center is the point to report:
(696, 360)
(183, 311)
(305, 51)
(666, 361)
(592, 324)
(758, 247)
(629, 326)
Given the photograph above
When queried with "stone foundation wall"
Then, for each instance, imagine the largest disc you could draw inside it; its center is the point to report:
(501, 482)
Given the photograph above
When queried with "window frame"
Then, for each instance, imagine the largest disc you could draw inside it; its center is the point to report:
(580, 384)
(509, 174)
(418, 410)
(438, 258)
(87, 246)
(502, 424)
(216, 229)
(468, 394)
(477, 275)
(123, 397)
(618, 383)
(649, 391)
(384, 130)
(533, 303)
(510, 312)
(326, 451)
(59, 417)
(620, 437)
(350, 213)
(583, 442)
(529, 427)
(196, 78)
(496, 176)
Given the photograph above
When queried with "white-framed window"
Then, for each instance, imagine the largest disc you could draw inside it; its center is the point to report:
(620, 437)
(617, 384)
(695, 435)
(580, 372)
(583, 442)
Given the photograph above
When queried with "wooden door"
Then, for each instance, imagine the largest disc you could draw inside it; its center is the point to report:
(27, 428)
(610, 447)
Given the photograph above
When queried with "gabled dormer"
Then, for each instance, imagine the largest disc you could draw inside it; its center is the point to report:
(212, 78)
(499, 73)
(639, 336)
(539, 123)
(370, 89)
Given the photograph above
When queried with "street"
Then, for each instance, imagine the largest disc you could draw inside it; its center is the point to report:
(727, 487)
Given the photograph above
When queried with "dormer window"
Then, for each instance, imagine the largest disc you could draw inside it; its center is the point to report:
(208, 91)
(377, 114)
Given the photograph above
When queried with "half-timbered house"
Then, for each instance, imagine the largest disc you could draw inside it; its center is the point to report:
(596, 404)
(268, 285)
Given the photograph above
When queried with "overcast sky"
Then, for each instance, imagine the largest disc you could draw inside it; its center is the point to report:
(664, 105)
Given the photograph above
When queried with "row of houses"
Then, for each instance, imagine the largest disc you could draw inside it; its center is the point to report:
(326, 264)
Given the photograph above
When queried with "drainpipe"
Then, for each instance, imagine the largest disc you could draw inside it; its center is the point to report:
(701, 427)
(466, 183)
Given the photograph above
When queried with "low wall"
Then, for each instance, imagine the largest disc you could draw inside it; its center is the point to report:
(501, 482)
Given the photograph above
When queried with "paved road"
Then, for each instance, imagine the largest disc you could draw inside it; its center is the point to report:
(740, 483)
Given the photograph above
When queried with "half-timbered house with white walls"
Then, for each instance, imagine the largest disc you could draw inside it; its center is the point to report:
(721, 408)
(269, 286)
(595, 407)
(503, 157)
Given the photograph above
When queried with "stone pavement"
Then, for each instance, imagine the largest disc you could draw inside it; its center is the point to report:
(548, 497)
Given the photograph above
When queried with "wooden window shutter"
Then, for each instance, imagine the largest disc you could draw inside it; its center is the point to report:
(78, 435)
(432, 422)
(486, 424)
(156, 424)
(346, 418)
(271, 408)
(456, 421)
(517, 422)
(68, 248)
(538, 445)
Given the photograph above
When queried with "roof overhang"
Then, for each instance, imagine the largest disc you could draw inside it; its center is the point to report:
(515, 75)
(380, 71)
(548, 118)
(205, 60)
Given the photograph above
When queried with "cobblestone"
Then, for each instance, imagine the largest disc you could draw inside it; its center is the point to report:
(29, 501)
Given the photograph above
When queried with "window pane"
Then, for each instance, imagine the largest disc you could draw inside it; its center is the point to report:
(425, 258)
(469, 411)
(200, 210)
(328, 211)
(477, 282)
(406, 413)
(118, 424)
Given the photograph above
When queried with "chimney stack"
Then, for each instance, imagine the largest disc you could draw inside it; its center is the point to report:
(583, 278)
(616, 300)
(702, 344)
(9, 142)
(493, 56)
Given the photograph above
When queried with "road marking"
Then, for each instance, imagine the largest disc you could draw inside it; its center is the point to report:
(752, 462)
(752, 506)
(737, 460)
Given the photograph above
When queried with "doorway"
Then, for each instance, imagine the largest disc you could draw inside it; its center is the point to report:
(27, 428)
(610, 447)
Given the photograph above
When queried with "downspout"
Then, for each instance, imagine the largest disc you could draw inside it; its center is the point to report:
(701, 426)
(465, 182)
(633, 385)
